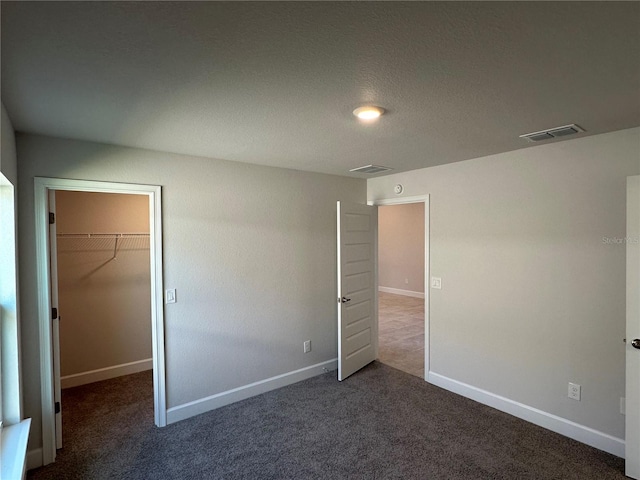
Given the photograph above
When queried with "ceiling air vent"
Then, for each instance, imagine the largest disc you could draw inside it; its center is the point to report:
(552, 133)
(371, 169)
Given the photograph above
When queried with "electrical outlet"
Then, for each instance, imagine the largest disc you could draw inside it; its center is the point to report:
(574, 391)
(170, 295)
(307, 346)
(406, 281)
(436, 282)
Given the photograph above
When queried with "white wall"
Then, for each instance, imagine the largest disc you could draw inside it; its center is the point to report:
(401, 247)
(251, 251)
(532, 297)
(105, 302)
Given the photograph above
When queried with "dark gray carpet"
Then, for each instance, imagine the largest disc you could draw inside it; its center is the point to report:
(380, 423)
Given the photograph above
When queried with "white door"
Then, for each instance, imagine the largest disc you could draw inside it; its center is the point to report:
(357, 280)
(632, 427)
(55, 316)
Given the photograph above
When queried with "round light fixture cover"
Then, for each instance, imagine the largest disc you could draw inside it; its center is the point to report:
(368, 113)
(398, 189)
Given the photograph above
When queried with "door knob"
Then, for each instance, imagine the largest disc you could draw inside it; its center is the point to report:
(345, 300)
(635, 343)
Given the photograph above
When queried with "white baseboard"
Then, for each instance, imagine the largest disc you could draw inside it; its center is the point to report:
(34, 458)
(83, 378)
(397, 291)
(594, 438)
(181, 412)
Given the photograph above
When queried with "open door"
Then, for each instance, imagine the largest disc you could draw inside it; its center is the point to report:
(632, 420)
(357, 299)
(55, 316)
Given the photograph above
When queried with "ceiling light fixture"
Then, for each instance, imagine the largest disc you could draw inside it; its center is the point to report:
(368, 113)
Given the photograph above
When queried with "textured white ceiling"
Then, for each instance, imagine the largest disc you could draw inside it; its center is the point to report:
(274, 83)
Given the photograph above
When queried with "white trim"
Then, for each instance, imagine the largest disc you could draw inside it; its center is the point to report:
(399, 200)
(398, 291)
(13, 449)
(427, 264)
(11, 387)
(44, 321)
(41, 189)
(339, 227)
(106, 373)
(190, 409)
(34, 458)
(581, 433)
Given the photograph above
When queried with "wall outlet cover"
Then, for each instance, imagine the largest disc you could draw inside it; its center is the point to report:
(436, 282)
(574, 391)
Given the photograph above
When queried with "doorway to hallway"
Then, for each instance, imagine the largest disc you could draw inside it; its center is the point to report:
(401, 286)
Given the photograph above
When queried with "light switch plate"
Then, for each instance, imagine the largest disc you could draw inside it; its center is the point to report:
(170, 295)
(436, 282)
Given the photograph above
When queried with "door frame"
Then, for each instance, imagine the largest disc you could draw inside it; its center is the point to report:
(42, 186)
(400, 201)
(632, 418)
(55, 322)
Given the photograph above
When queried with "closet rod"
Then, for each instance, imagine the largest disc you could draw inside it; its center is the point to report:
(115, 236)
(99, 235)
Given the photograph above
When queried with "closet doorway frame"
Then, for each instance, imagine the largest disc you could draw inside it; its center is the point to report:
(42, 187)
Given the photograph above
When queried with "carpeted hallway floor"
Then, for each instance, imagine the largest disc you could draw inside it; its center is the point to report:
(380, 423)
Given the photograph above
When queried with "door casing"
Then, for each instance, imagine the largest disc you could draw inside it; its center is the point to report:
(42, 186)
(416, 199)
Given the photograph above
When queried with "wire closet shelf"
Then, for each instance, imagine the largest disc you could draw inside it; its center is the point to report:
(118, 238)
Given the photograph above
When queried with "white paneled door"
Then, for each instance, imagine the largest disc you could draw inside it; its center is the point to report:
(357, 280)
(632, 427)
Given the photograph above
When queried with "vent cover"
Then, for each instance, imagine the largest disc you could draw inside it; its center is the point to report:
(552, 133)
(371, 169)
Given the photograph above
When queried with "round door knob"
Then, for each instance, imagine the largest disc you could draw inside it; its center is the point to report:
(635, 343)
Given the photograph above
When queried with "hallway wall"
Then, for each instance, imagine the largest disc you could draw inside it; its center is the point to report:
(401, 247)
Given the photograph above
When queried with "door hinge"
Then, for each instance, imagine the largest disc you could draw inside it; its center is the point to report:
(54, 313)
(52, 218)
(57, 407)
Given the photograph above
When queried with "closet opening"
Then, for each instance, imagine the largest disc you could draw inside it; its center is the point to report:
(104, 304)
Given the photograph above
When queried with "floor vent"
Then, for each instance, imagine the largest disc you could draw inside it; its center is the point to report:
(552, 133)
(370, 169)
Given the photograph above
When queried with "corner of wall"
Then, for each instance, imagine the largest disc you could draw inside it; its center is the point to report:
(8, 160)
